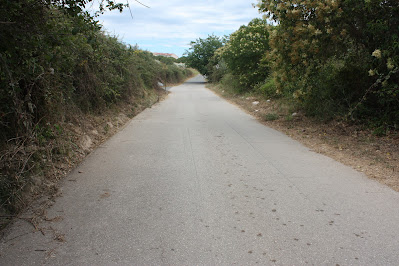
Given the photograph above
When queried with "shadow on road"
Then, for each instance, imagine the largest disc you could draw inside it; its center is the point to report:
(196, 82)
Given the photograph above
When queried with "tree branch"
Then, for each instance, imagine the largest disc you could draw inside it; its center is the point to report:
(141, 3)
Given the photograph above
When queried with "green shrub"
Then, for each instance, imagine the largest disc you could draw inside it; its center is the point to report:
(244, 53)
(231, 82)
(217, 71)
(337, 57)
(166, 60)
(271, 117)
(268, 89)
(201, 52)
(56, 62)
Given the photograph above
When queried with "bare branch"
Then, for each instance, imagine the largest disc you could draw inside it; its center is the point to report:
(130, 10)
(141, 3)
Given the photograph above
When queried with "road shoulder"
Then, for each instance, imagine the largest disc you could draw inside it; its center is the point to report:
(357, 147)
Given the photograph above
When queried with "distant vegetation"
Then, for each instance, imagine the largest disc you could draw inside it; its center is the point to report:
(56, 62)
(335, 59)
(201, 52)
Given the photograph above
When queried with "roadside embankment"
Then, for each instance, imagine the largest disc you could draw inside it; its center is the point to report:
(32, 167)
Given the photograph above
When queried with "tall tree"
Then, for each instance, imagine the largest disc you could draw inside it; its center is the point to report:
(201, 51)
(245, 50)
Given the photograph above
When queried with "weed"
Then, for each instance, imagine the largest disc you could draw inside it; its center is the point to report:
(289, 118)
(268, 89)
(270, 117)
(380, 131)
(106, 129)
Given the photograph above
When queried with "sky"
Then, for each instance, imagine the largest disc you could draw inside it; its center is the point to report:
(169, 26)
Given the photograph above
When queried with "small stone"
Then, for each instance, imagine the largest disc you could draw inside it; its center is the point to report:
(255, 103)
(86, 142)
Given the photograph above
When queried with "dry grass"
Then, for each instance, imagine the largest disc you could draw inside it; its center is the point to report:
(31, 168)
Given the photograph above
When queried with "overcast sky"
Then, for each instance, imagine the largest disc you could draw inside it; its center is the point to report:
(168, 26)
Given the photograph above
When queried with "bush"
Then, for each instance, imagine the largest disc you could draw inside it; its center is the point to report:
(56, 62)
(201, 52)
(244, 53)
(337, 57)
(166, 60)
(217, 70)
(270, 117)
(268, 89)
(231, 82)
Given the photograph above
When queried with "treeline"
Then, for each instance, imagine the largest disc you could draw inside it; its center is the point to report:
(335, 59)
(55, 61)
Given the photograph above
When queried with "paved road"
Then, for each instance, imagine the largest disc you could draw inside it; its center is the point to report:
(195, 180)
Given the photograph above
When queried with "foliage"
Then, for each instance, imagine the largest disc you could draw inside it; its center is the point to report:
(230, 82)
(270, 117)
(200, 53)
(166, 60)
(268, 88)
(244, 53)
(182, 59)
(217, 68)
(331, 54)
(75, 7)
(56, 62)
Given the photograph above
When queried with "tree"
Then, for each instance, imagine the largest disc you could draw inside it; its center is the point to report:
(244, 53)
(329, 54)
(74, 7)
(201, 51)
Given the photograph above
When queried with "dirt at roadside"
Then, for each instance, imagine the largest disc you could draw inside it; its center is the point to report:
(78, 136)
(377, 157)
(81, 133)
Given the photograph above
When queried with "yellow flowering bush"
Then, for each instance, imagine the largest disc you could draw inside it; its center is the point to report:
(341, 55)
(244, 53)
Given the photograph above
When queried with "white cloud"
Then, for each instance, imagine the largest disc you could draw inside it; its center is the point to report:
(174, 23)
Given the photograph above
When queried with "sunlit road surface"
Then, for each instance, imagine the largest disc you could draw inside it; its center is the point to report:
(196, 181)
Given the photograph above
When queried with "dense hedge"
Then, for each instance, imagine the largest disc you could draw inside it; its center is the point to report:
(244, 53)
(338, 57)
(55, 61)
(50, 59)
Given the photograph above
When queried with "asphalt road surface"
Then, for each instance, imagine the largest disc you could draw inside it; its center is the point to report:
(195, 180)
